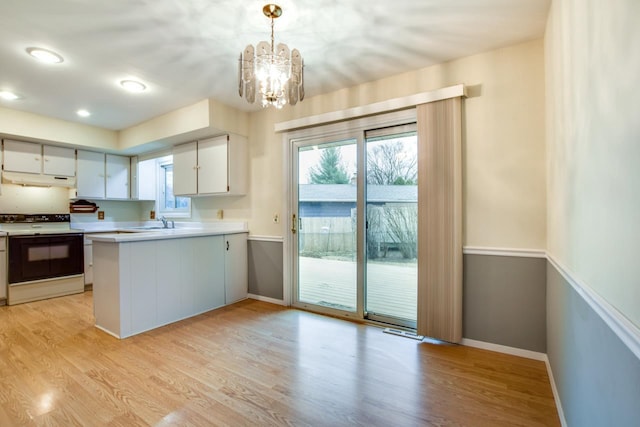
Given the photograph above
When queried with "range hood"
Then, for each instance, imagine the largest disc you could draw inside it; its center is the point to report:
(38, 180)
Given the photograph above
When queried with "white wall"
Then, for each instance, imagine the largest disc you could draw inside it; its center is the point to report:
(504, 149)
(593, 64)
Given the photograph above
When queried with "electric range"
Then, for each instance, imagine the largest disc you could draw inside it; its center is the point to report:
(45, 256)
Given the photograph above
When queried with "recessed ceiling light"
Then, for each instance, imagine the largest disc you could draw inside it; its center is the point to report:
(133, 86)
(9, 96)
(83, 113)
(45, 55)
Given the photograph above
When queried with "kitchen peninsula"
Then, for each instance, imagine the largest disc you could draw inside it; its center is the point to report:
(144, 279)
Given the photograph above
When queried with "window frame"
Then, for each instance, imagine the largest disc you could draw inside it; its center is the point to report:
(161, 205)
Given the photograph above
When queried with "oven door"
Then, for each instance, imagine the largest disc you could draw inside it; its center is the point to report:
(45, 256)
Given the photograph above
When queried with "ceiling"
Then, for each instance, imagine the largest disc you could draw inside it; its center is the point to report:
(187, 50)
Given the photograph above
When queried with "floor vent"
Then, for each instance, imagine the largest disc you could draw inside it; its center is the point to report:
(405, 334)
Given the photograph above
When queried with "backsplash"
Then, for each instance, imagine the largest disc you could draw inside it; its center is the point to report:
(115, 211)
(33, 200)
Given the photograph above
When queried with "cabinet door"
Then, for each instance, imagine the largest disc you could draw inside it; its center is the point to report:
(3, 268)
(235, 268)
(22, 156)
(208, 275)
(58, 161)
(147, 179)
(90, 178)
(88, 264)
(185, 164)
(213, 165)
(117, 177)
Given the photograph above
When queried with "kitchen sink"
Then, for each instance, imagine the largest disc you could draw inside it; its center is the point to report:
(149, 228)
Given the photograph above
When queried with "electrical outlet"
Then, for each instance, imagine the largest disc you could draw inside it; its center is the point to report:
(219, 214)
(100, 214)
(152, 215)
(276, 218)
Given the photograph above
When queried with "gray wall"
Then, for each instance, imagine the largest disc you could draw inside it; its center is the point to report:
(504, 297)
(597, 376)
(504, 301)
(265, 269)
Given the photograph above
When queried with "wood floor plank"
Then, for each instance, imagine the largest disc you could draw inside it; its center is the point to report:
(253, 363)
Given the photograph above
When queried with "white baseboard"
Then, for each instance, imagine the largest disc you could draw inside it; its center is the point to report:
(504, 349)
(556, 395)
(266, 299)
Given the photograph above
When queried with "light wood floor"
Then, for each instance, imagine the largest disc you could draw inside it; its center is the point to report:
(252, 363)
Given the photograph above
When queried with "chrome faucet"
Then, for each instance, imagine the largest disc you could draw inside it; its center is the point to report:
(165, 222)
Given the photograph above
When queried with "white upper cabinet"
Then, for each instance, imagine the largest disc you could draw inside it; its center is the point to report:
(117, 182)
(58, 161)
(143, 179)
(29, 157)
(91, 183)
(22, 156)
(185, 169)
(214, 166)
(102, 176)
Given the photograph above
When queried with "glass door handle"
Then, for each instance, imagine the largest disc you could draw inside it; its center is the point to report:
(293, 223)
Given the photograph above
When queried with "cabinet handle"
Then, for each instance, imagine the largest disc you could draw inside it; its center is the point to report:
(227, 245)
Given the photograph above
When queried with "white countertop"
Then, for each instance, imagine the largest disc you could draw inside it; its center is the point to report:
(137, 234)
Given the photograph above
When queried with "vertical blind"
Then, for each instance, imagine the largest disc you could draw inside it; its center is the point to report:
(440, 220)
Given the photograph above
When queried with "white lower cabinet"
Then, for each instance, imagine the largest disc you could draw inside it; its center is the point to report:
(88, 262)
(141, 285)
(3, 268)
(236, 277)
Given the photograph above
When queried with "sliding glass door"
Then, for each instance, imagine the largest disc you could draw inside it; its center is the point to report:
(354, 224)
(391, 225)
(326, 224)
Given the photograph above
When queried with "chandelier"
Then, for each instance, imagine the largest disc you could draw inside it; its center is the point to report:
(274, 72)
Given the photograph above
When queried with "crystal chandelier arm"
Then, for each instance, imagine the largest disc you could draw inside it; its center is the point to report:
(248, 78)
(240, 80)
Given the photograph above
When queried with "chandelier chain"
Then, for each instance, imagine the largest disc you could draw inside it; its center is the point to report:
(273, 52)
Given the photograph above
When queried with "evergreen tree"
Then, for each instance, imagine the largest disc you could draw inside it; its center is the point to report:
(329, 169)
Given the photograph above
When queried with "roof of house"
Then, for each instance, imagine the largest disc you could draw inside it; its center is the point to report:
(347, 193)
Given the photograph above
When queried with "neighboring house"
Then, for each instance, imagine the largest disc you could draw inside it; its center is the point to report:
(337, 200)
(329, 209)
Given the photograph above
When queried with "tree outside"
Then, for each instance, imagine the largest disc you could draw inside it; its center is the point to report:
(330, 169)
(389, 163)
(392, 162)
(391, 226)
